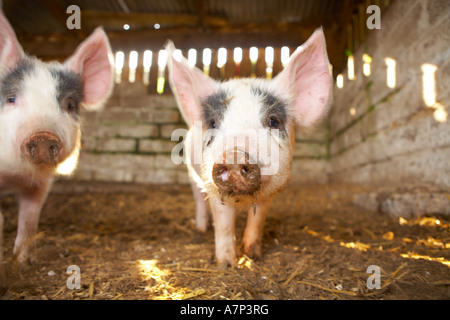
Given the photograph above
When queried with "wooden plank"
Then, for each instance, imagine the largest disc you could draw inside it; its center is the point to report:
(115, 20)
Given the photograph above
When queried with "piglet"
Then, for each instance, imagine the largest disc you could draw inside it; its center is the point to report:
(241, 138)
(39, 121)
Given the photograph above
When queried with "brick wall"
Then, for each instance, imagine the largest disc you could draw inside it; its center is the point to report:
(389, 136)
(130, 141)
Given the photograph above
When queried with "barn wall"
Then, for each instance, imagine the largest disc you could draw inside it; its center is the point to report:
(130, 141)
(389, 136)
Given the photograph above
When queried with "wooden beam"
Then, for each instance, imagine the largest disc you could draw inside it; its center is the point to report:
(199, 6)
(142, 20)
(55, 10)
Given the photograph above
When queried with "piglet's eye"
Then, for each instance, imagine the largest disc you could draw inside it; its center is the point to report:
(71, 106)
(273, 123)
(213, 124)
(11, 99)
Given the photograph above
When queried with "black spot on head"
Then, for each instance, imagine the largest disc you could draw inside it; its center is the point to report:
(69, 89)
(274, 111)
(11, 84)
(214, 107)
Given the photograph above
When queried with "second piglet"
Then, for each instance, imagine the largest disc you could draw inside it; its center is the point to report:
(240, 144)
(39, 120)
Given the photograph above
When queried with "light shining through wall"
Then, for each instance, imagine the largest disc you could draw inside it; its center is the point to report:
(221, 57)
(148, 58)
(162, 62)
(284, 56)
(147, 64)
(340, 81)
(351, 68)
(269, 53)
(132, 64)
(237, 57)
(162, 58)
(429, 84)
(192, 57)
(253, 53)
(118, 64)
(429, 92)
(221, 61)
(367, 60)
(206, 59)
(391, 78)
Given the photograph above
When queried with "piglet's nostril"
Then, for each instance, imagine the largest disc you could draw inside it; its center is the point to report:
(53, 150)
(30, 148)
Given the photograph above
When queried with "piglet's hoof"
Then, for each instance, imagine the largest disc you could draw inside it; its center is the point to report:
(253, 251)
(23, 258)
(224, 266)
(199, 237)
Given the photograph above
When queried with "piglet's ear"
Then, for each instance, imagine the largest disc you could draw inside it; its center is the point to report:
(93, 60)
(306, 81)
(10, 50)
(189, 85)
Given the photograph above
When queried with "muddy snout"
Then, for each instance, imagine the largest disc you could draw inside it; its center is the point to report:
(235, 175)
(43, 148)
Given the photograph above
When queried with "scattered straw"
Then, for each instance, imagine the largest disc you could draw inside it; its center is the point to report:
(327, 289)
(296, 272)
(193, 294)
(200, 269)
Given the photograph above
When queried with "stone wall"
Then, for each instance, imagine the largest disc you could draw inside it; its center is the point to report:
(389, 136)
(130, 141)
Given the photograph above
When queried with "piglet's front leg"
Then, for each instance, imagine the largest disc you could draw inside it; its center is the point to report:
(224, 229)
(201, 210)
(30, 204)
(253, 233)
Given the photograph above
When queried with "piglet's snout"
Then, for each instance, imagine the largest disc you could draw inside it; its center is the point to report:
(43, 148)
(235, 175)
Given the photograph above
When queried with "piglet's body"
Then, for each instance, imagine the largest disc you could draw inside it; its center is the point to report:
(39, 121)
(240, 144)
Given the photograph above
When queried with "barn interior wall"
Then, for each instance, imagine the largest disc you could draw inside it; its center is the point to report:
(398, 135)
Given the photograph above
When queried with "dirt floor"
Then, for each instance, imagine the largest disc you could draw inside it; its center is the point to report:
(138, 242)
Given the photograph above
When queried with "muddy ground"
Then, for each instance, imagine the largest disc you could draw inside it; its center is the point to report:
(138, 242)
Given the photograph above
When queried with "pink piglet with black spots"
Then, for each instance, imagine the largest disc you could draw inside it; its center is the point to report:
(39, 121)
(240, 144)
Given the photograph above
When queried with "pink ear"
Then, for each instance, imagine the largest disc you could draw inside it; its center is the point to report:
(10, 50)
(93, 60)
(189, 85)
(307, 80)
